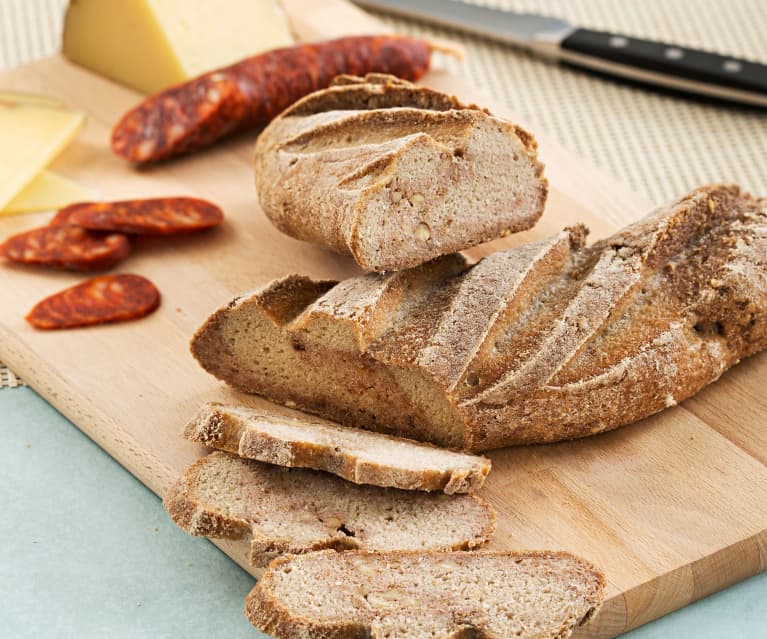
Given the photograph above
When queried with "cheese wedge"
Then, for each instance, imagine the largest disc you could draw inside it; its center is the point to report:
(151, 44)
(47, 191)
(33, 130)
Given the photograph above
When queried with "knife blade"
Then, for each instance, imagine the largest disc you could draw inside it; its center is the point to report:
(674, 67)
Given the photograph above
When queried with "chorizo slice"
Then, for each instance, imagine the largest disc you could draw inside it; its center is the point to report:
(108, 298)
(67, 246)
(250, 93)
(154, 216)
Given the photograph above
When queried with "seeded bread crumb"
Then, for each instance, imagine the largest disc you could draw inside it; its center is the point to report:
(396, 595)
(297, 510)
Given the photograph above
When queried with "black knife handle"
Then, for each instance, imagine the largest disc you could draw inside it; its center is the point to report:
(682, 67)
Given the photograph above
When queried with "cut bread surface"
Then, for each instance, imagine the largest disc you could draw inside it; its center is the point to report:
(297, 510)
(551, 340)
(396, 595)
(360, 456)
(396, 174)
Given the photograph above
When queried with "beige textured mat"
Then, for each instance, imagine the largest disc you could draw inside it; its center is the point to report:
(660, 145)
(8, 379)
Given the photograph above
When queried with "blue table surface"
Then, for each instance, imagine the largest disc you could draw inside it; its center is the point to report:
(87, 551)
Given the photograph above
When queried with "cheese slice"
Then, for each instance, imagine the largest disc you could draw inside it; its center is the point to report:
(33, 99)
(33, 130)
(151, 44)
(47, 191)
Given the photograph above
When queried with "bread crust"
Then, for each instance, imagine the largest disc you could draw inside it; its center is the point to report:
(269, 614)
(198, 520)
(297, 440)
(395, 174)
(541, 343)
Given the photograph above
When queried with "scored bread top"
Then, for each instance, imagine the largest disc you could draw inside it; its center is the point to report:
(299, 510)
(547, 341)
(396, 174)
(360, 456)
(374, 91)
(417, 595)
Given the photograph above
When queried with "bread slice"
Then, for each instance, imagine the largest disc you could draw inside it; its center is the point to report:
(547, 341)
(296, 510)
(395, 174)
(424, 595)
(356, 455)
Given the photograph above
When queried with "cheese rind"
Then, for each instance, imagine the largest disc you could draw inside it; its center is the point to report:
(33, 130)
(47, 191)
(151, 44)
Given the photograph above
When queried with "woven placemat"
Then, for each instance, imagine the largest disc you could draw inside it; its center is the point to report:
(659, 144)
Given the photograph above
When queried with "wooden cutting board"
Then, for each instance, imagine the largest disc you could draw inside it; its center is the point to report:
(672, 508)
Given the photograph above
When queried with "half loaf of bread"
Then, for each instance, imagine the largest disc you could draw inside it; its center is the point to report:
(287, 510)
(397, 595)
(356, 455)
(396, 174)
(547, 341)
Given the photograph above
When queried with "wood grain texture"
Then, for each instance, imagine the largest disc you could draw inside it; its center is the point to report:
(672, 508)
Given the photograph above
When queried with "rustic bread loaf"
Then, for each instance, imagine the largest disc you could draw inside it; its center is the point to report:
(356, 455)
(296, 510)
(422, 595)
(396, 174)
(539, 343)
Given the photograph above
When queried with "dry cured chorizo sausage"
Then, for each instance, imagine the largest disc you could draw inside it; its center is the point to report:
(67, 246)
(197, 113)
(153, 216)
(108, 298)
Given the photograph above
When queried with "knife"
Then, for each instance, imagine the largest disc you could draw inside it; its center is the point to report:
(679, 68)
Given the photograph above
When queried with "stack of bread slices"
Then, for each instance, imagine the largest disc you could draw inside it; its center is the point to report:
(379, 532)
(366, 534)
